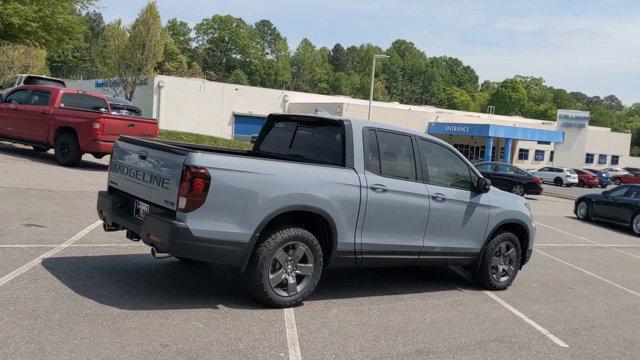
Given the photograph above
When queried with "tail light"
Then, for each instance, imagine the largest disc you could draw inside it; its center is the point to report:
(98, 127)
(194, 186)
(537, 180)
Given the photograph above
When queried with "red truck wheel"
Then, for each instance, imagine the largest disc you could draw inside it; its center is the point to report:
(67, 150)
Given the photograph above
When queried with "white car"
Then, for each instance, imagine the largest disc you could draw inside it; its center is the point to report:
(558, 176)
(28, 79)
(612, 171)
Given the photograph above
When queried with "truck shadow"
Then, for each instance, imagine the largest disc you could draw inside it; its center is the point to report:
(137, 282)
(27, 153)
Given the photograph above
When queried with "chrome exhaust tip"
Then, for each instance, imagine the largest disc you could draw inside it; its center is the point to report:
(159, 255)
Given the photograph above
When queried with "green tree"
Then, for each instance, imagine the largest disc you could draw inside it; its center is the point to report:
(133, 53)
(239, 77)
(405, 73)
(453, 97)
(611, 102)
(312, 71)
(180, 33)
(275, 57)
(509, 98)
(18, 59)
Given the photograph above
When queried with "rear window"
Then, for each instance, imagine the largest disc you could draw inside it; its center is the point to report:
(305, 140)
(83, 102)
(34, 80)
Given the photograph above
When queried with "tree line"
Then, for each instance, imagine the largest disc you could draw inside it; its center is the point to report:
(64, 36)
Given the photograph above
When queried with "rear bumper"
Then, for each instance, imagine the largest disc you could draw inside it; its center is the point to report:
(534, 189)
(98, 147)
(162, 231)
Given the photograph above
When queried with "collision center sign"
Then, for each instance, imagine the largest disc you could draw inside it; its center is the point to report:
(573, 118)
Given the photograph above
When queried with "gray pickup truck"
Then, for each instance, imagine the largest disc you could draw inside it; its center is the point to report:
(316, 192)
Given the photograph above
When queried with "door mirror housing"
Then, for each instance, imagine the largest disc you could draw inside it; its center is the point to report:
(605, 193)
(483, 185)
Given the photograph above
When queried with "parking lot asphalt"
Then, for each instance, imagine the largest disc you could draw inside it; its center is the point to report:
(573, 192)
(68, 290)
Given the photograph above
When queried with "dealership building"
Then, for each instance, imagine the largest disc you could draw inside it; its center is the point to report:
(237, 111)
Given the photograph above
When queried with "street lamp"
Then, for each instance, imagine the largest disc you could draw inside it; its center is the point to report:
(373, 74)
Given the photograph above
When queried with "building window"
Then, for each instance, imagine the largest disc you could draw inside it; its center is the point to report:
(544, 142)
(502, 153)
(539, 155)
(615, 159)
(551, 156)
(523, 154)
(602, 159)
(588, 159)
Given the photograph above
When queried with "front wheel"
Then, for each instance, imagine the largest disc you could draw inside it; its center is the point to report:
(500, 262)
(635, 224)
(285, 268)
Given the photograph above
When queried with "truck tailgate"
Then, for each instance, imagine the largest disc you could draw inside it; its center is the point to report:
(147, 170)
(115, 125)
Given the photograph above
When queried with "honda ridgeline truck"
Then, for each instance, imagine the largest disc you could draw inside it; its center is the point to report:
(316, 192)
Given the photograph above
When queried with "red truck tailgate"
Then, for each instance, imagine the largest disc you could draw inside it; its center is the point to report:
(115, 125)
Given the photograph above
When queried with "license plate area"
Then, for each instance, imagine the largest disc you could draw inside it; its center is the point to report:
(140, 209)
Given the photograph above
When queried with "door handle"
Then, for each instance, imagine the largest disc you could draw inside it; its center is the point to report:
(439, 197)
(379, 188)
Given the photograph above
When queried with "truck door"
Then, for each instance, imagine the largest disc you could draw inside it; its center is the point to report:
(10, 111)
(458, 215)
(31, 122)
(397, 205)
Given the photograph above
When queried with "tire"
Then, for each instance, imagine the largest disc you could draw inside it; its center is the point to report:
(498, 273)
(635, 224)
(583, 211)
(581, 183)
(67, 150)
(617, 181)
(40, 148)
(558, 181)
(99, 156)
(189, 261)
(278, 257)
(603, 186)
(518, 189)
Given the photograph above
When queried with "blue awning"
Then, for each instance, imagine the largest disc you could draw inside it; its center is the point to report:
(510, 132)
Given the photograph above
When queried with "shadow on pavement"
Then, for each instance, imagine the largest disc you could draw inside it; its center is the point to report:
(138, 282)
(28, 153)
(604, 225)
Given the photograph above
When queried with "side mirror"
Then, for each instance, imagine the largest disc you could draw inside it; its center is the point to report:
(605, 193)
(483, 185)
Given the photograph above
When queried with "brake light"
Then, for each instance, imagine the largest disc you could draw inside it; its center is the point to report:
(98, 126)
(537, 180)
(194, 186)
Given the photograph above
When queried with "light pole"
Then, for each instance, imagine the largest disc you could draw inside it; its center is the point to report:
(373, 74)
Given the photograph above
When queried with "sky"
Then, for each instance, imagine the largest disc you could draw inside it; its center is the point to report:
(578, 45)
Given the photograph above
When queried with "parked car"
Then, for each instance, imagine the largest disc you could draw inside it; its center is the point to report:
(510, 178)
(124, 107)
(603, 177)
(631, 170)
(28, 79)
(611, 171)
(587, 178)
(72, 122)
(315, 192)
(558, 176)
(620, 205)
(626, 179)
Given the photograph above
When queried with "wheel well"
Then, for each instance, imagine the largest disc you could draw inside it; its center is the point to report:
(64, 130)
(520, 232)
(313, 222)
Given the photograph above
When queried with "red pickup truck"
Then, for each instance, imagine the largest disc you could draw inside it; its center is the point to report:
(73, 122)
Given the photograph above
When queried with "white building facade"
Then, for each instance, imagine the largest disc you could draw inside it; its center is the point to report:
(237, 111)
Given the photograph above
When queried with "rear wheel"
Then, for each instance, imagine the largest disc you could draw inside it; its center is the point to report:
(67, 150)
(604, 186)
(617, 181)
(557, 181)
(285, 268)
(500, 262)
(581, 183)
(583, 212)
(518, 189)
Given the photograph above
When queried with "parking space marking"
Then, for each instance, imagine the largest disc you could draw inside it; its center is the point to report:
(588, 245)
(588, 240)
(24, 268)
(292, 334)
(515, 311)
(73, 245)
(590, 273)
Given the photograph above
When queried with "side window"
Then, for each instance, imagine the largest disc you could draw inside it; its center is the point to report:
(444, 167)
(633, 193)
(372, 156)
(40, 98)
(396, 155)
(544, 169)
(483, 167)
(83, 102)
(619, 191)
(19, 97)
(10, 83)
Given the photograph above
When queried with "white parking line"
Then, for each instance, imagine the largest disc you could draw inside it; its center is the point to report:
(522, 316)
(590, 273)
(73, 245)
(589, 245)
(589, 240)
(292, 334)
(21, 270)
